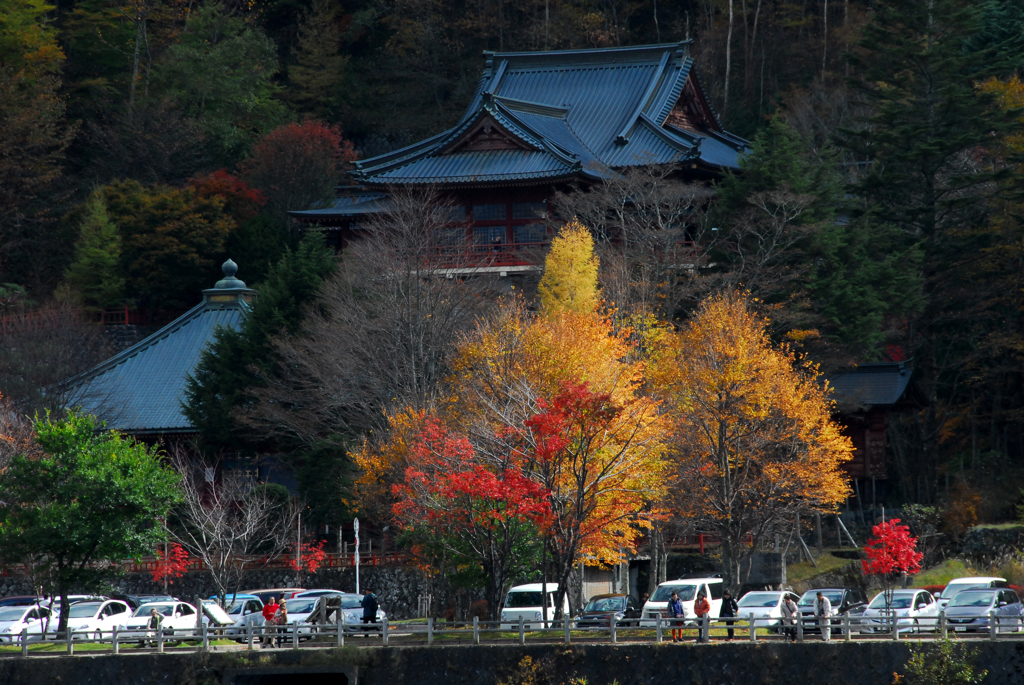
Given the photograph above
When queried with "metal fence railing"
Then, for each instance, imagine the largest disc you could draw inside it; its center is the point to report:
(428, 632)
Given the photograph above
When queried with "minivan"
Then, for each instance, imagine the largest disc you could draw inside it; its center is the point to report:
(525, 601)
(688, 590)
(958, 585)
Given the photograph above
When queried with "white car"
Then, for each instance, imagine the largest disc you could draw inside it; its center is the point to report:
(13, 620)
(525, 601)
(243, 612)
(765, 606)
(179, 618)
(958, 585)
(352, 607)
(688, 590)
(300, 609)
(315, 593)
(97, 617)
(916, 610)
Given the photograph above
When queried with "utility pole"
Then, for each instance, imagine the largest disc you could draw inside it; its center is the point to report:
(355, 527)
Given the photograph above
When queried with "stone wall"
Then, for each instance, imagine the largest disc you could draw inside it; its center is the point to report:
(397, 587)
(983, 542)
(838, 663)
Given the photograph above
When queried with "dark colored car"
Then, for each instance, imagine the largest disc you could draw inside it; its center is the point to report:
(601, 609)
(19, 601)
(135, 601)
(844, 600)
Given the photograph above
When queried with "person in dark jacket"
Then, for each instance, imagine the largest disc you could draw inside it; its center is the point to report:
(728, 611)
(370, 606)
(676, 613)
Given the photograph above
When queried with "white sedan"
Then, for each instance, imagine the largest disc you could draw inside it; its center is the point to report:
(14, 620)
(179, 618)
(765, 606)
(915, 610)
(97, 617)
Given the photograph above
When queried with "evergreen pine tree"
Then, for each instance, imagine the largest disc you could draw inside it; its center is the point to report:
(240, 359)
(96, 272)
(570, 272)
(319, 70)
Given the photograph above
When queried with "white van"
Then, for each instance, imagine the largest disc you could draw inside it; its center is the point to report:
(958, 585)
(688, 589)
(525, 601)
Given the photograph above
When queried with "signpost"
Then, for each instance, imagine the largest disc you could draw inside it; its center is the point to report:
(355, 527)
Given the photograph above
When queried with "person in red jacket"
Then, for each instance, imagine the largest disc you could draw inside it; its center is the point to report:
(702, 607)
(269, 612)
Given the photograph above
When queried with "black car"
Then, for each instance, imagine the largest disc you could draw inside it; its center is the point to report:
(601, 609)
(843, 599)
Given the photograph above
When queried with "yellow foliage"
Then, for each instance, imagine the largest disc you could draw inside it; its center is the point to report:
(1010, 95)
(754, 438)
(569, 282)
(382, 462)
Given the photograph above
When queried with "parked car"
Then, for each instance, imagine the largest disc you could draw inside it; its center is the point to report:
(20, 601)
(915, 610)
(958, 585)
(351, 606)
(98, 616)
(688, 590)
(179, 619)
(15, 619)
(601, 610)
(843, 600)
(526, 601)
(766, 607)
(971, 610)
(279, 592)
(315, 593)
(244, 611)
(135, 601)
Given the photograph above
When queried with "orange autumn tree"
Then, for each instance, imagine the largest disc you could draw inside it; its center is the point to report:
(753, 441)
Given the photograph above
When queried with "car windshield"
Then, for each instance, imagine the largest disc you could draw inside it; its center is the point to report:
(664, 592)
(523, 599)
(12, 613)
(298, 606)
(954, 589)
(84, 610)
(758, 599)
(237, 607)
(833, 596)
(351, 601)
(606, 604)
(972, 599)
(898, 602)
(165, 609)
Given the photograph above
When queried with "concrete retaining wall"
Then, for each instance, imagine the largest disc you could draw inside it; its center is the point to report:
(689, 664)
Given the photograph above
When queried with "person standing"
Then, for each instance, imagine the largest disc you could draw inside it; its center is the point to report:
(823, 610)
(370, 607)
(156, 621)
(702, 607)
(728, 611)
(281, 621)
(269, 612)
(789, 617)
(676, 614)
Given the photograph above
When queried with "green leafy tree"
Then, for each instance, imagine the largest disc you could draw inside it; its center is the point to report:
(238, 360)
(87, 497)
(172, 241)
(221, 73)
(946, 662)
(96, 271)
(320, 69)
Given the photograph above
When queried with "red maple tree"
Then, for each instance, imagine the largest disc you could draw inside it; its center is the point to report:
(891, 551)
(457, 507)
(171, 563)
(312, 556)
(240, 201)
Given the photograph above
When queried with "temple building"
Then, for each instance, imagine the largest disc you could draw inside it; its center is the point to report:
(539, 122)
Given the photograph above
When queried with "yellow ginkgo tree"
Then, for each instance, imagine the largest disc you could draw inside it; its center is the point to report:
(753, 441)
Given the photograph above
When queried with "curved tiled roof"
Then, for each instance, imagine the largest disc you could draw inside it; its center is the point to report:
(141, 389)
(581, 112)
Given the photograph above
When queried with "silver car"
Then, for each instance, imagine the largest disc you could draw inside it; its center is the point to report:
(971, 611)
(915, 610)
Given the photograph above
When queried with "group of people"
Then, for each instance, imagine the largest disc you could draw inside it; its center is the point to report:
(729, 610)
(274, 614)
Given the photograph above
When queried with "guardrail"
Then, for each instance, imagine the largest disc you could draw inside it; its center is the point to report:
(327, 635)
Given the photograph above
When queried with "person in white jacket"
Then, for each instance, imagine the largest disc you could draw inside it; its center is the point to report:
(823, 610)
